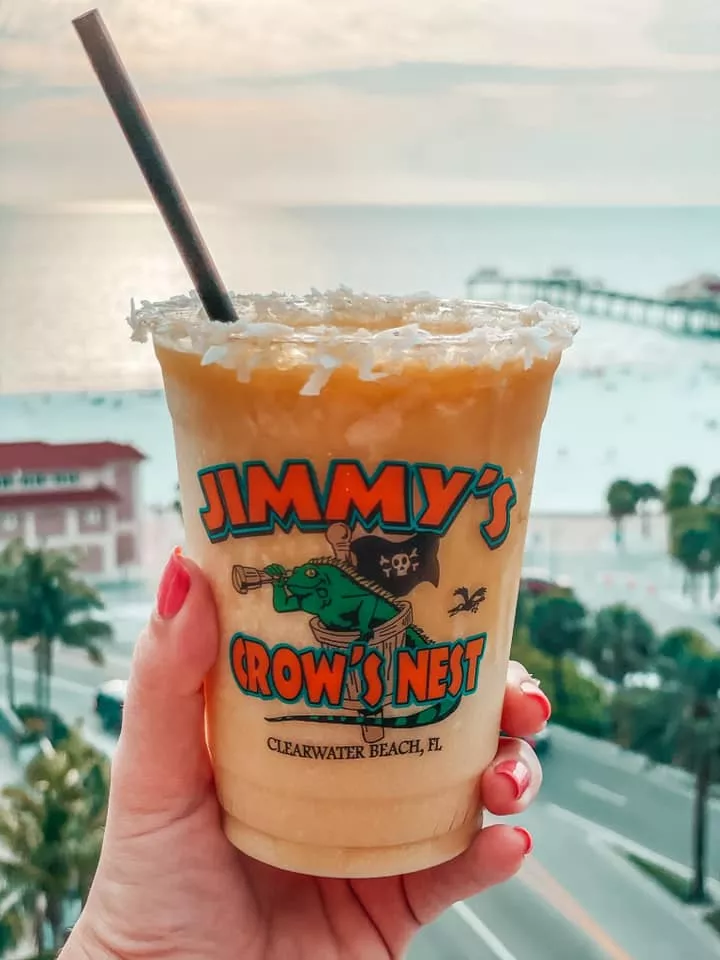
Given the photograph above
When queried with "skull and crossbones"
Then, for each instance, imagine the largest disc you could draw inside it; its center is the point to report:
(400, 564)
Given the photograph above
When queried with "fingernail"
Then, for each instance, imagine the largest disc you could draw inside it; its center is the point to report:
(527, 838)
(530, 682)
(174, 587)
(517, 773)
(531, 690)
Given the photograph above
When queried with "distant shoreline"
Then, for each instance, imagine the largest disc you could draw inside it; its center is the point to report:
(626, 423)
(141, 207)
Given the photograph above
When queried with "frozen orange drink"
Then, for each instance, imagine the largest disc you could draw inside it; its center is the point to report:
(356, 476)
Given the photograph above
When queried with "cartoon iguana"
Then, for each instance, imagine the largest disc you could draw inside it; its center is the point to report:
(335, 593)
(343, 601)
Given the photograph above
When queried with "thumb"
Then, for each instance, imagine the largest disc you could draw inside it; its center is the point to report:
(161, 767)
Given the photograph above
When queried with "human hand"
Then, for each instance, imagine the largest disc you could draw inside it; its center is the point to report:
(169, 884)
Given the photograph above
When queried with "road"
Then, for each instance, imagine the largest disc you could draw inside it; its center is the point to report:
(619, 791)
(576, 898)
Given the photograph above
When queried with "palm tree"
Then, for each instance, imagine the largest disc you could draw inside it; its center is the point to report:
(48, 603)
(680, 489)
(8, 639)
(622, 502)
(619, 642)
(696, 731)
(7, 624)
(86, 834)
(51, 831)
(12, 924)
(692, 545)
(694, 529)
(557, 627)
(713, 497)
(684, 716)
(678, 644)
(712, 508)
(645, 493)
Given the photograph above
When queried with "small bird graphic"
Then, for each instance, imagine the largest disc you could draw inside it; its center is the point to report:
(469, 603)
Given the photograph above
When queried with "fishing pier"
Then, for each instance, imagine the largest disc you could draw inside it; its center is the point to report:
(697, 318)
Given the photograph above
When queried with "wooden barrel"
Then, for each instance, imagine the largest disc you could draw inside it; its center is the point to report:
(386, 639)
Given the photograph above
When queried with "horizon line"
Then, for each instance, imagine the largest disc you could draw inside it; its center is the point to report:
(142, 207)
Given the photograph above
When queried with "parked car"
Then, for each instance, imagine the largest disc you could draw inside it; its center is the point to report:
(537, 582)
(109, 703)
(540, 742)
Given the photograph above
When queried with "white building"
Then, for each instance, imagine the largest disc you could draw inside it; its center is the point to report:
(705, 288)
(82, 496)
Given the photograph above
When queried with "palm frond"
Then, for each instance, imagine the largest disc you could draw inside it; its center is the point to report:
(19, 876)
(19, 831)
(22, 800)
(86, 635)
(13, 924)
(44, 596)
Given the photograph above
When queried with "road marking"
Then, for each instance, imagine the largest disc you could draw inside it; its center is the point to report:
(612, 838)
(660, 778)
(497, 947)
(543, 883)
(651, 888)
(602, 793)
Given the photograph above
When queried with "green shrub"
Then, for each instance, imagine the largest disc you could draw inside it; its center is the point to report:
(713, 918)
(675, 884)
(639, 723)
(587, 707)
(38, 724)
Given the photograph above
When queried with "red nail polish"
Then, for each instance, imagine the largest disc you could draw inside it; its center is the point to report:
(517, 773)
(536, 696)
(174, 587)
(527, 839)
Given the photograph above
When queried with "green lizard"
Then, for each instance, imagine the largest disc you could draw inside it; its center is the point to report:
(344, 602)
(335, 593)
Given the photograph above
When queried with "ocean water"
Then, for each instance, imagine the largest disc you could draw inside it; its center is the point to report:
(627, 401)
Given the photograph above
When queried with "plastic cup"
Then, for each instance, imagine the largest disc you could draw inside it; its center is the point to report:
(355, 476)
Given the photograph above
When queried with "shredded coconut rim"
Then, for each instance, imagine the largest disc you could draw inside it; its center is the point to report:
(376, 334)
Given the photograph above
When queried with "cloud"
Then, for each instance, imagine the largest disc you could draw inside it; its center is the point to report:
(168, 40)
(370, 101)
(482, 141)
(688, 27)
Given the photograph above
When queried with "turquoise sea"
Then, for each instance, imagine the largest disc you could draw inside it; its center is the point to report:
(627, 401)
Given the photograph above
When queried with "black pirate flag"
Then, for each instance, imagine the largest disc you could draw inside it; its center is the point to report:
(399, 566)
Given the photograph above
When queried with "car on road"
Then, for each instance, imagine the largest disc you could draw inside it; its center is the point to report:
(109, 703)
(540, 742)
(538, 582)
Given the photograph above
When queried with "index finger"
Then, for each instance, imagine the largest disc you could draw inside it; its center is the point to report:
(526, 709)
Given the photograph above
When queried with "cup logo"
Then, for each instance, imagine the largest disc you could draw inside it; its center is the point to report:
(369, 664)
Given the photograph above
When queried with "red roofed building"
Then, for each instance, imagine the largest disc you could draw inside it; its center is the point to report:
(83, 496)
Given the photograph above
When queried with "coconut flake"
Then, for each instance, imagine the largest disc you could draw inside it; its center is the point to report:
(374, 334)
(214, 354)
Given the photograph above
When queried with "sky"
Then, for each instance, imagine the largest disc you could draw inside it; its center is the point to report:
(372, 101)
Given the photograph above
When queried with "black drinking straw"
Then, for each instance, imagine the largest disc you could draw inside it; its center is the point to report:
(135, 124)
